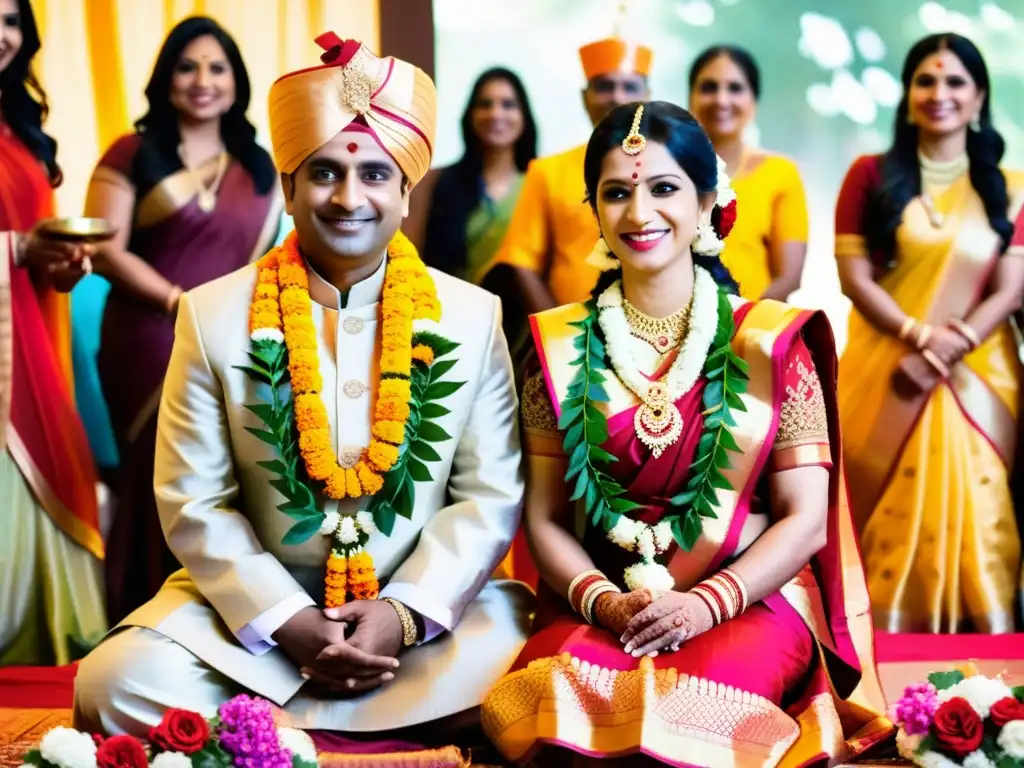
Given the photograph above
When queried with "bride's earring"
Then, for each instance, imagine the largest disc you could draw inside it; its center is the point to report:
(705, 240)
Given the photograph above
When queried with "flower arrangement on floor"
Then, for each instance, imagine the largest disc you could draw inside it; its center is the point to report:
(955, 719)
(242, 734)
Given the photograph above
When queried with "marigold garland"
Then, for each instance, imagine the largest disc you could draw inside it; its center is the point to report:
(281, 302)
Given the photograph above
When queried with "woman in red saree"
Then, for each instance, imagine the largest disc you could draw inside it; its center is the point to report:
(51, 604)
(930, 380)
(702, 601)
(195, 197)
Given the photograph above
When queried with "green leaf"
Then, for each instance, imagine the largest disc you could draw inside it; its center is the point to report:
(581, 487)
(433, 411)
(944, 680)
(274, 466)
(419, 472)
(384, 517)
(573, 435)
(303, 530)
(436, 342)
(424, 451)
(33, 757)
(267, 437)
(569, 416)
(442, 389)
(690, 530)
(265, 413)
(286, 486)
(259, 375)
(621, 504)
(440, 368)
(578, 457)
(592, 497)
(599, 454)
(727, 441)
(735, 402)
(714, 392)
(1018, 693)
(432, 433)
(405, 498)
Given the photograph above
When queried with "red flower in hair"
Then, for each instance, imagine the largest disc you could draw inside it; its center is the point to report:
(121, 752)
(723, 219)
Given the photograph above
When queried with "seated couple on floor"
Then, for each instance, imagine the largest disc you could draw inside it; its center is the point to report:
(702, 598)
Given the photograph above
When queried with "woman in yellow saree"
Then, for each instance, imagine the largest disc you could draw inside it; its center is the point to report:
(702, 601)
(929, 382)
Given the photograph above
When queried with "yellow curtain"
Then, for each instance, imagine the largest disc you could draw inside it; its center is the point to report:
(97, 56)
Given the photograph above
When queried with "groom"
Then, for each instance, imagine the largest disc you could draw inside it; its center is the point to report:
(422, 495)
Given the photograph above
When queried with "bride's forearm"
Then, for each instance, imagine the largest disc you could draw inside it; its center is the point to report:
(559, 556)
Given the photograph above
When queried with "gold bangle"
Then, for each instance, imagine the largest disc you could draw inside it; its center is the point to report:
(923, 334)
(409, 632)
(171, 302)
(909, 323)
(578, 580)
(590, 599)
(933, 360)
(969, 334)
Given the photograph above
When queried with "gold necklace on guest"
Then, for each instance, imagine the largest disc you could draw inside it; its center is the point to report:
(206, 195)
(661, 333)
(939, 175)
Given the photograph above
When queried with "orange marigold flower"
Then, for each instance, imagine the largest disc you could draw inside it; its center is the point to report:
(429, 310)
(264, 306)
(305, 373)
(264, 320)
(390, 431)
(295, 301)
(404, 307)
(392, 410)
(382, 455)
(423, 353)
(370, 480)
(292, 275)
(310, 412)
(266, 290)
(361, 560)
(300, 324)
(352, 486)
(400, 389)
(335, 486)
(335, 581)
(396, 362)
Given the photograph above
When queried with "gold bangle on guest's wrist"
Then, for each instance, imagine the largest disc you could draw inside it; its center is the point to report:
(410, 635)
(970, 335)
(923, 334)
(907, 326)
(933, 360)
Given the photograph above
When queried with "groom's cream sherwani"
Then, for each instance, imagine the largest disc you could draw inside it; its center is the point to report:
(206, 635)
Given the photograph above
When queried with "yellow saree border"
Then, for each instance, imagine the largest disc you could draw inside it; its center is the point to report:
(177, 190)
(86, 536)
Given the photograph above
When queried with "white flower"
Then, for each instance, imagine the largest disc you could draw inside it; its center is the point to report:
(645, 544)
(601, 257)
(364, 520)
(330, 523)
(267, 334)
(68, 748)
(650, 576)
(907, 745)
(298, 743)
(1011, 739)
(934, 760)
(347, 533)
(978, 759)
(980, 692)
(662, 536)
(624, 533)
(171, 760)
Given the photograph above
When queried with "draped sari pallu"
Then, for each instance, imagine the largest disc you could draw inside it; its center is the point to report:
(43, 433)
(928, 475)
(597, 700)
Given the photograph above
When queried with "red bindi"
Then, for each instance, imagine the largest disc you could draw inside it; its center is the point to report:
(938, 64)
(352, 147)
(638, 163)
(636, 175)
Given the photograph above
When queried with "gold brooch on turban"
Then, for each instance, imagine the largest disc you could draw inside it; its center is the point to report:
(390, 99)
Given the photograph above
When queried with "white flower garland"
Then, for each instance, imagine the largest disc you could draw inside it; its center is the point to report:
(632, 535)
(347, 527)
(687, 366)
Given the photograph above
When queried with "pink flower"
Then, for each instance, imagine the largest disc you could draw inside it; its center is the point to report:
(916, 709)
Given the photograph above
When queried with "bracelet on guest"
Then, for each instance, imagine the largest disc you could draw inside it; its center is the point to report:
(410, 632)
(924, 332)
(724, 594)
(933, 360)
(584, 591)
(906, 328)
(171, 302)
(969, 334)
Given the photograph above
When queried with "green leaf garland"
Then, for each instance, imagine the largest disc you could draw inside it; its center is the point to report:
(269, 366)
(586, 430)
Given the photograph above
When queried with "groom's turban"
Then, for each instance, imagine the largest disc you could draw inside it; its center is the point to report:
(392, 100)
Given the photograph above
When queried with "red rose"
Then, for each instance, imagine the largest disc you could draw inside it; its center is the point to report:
(725, 220)
(1005, 710)
(121, 752)
(181, 731)
(958, 728)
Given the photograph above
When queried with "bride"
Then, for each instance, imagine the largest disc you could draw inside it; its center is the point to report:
(702, 598)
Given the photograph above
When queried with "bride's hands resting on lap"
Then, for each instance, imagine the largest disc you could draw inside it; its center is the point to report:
(668, 622)
(614, 610)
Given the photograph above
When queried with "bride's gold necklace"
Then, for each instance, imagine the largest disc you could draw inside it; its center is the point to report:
(661, 333)
(938, 175)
